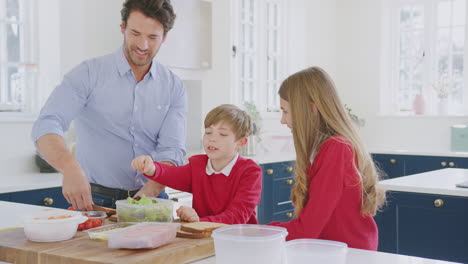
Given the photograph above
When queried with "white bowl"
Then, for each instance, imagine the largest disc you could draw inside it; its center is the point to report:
(38, 228)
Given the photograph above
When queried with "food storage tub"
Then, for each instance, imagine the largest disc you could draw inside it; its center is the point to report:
(161, 211)
(52, 225)
(301, 251)
(249, 244)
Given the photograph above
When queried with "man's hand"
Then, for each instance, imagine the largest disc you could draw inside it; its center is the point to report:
(144, 164)
(76, 189)
(187, 214)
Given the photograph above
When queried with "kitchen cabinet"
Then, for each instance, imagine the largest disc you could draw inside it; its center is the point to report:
(51, 197)
(425, 225)
(276, 202)
(401, 165)
(392, 165)
(5, 196)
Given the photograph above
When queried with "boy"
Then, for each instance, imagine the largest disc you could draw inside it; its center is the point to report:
(226, 188)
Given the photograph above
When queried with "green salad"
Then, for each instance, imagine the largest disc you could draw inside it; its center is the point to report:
(144, 210)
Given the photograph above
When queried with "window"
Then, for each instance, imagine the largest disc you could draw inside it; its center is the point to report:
(427, 55)
(258, 52)
(18, 62)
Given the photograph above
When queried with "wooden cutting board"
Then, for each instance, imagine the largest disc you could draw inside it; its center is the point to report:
(15, 248)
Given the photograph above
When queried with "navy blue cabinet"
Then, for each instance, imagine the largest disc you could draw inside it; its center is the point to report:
(392, 166)
(425, 225)
(51, 197)
(401, 165)
(5, 196)
(276, 202)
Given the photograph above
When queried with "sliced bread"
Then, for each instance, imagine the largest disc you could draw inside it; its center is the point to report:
(200, 227)
(184, 234)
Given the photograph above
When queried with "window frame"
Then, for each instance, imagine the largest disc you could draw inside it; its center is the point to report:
(28, 60)
(260, 54)
(391, 60)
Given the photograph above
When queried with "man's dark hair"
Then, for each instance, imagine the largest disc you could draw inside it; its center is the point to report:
(159, 9)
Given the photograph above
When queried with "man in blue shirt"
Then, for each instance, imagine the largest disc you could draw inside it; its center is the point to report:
(124, 104)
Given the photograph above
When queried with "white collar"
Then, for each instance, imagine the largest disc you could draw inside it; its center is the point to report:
(226, 171)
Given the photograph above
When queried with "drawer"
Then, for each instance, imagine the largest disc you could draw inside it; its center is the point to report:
(284, 216)
(51, 197)
(278, 170)
(282, 194)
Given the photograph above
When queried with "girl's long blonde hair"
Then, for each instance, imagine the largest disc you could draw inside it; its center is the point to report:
(310, 130)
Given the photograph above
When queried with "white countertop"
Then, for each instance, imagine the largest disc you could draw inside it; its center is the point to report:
(34, 181)
(30, 181)
(354, 256)
(432, 182)
(420, 153)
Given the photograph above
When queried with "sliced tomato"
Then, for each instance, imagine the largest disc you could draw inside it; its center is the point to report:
(71, 208)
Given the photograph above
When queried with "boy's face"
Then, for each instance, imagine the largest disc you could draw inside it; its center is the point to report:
(219, 142)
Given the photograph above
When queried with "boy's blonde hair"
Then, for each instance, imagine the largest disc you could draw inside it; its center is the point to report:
(311, 130)
(238, 119)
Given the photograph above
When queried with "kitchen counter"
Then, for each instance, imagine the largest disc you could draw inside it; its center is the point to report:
(34, 181)
(420, 153)
(432, 182)
(30, 181)
(354, 256)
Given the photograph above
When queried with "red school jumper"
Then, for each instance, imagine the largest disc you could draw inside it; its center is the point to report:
(216, 198)
(333, 209)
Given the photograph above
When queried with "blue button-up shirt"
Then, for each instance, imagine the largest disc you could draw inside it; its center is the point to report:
(118, 119)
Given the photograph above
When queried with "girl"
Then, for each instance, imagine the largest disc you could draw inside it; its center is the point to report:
(335, 193)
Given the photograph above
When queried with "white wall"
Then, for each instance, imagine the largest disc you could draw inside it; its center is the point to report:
(358, 79)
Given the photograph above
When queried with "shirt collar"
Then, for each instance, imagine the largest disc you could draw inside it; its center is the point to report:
(226, 170)
(124, 67)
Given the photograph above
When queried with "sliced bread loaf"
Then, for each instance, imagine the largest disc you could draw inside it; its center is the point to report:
(184, 234)
(200, 227)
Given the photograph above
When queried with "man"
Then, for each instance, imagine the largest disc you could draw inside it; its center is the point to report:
(124, 104)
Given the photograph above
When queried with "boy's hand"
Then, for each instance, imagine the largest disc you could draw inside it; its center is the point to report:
(187, 214)
(144, 164)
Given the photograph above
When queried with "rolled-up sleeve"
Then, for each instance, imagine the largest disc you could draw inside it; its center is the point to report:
(64, 103)
(171, 140)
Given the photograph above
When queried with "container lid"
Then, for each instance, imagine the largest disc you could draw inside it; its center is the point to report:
(52, 216)
(307, 245)
(158, 200)
(250, 232)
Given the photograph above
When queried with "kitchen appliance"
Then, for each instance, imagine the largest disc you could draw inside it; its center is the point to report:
(459, 138)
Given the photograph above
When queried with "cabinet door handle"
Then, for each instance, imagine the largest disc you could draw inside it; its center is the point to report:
(451, 164)
(438, 203)
(289, 182)
(48, 201)
(269, 171)
(289, 215)
(393, 161)
(289, 169)
(443, 164)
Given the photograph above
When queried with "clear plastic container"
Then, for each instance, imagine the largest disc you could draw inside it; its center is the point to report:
(249, 244)
(301, 251)
(103, 232)
(48, 226)
(161, 211)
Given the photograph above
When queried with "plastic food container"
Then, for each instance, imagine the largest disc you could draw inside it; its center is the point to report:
(161, 211)
(95, 219)
(301, 251)
(103, 232)
(249, 244)
(53, 225)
